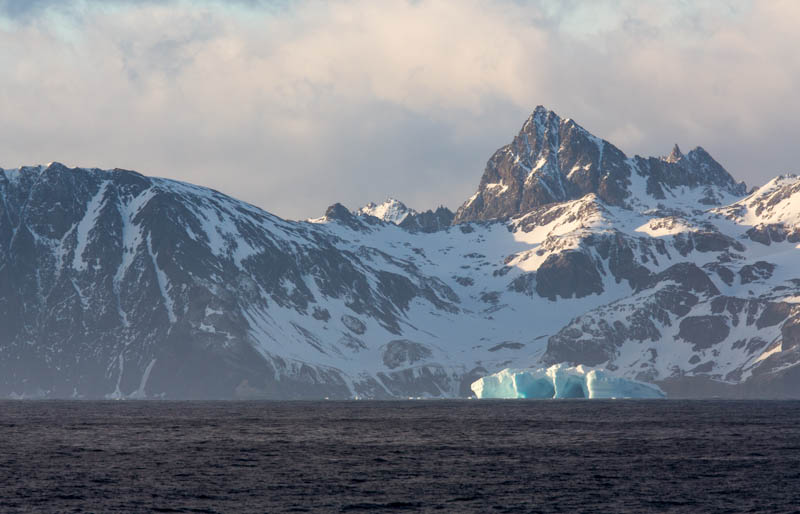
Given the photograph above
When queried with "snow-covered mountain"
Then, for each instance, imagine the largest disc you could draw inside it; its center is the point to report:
(556, 160)
(395, 211)
(390, 211)
(660, 269)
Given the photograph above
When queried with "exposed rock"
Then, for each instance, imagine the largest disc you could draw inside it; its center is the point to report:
(688, 276)
(464, 281)
(354, 324)
(723, 272)
(772, 233)
(555, 160)
(759, 270)
(714, 242)
(321, 314)
(622, 261)
(352, 343)
(429, 221)
(703, 331)
(404, 352)
(507, 345)
(340, 213)
(525, 284)
(568, 274)
(551, 160)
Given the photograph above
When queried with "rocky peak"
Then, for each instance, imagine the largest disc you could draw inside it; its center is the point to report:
(676, 154)
(693, 170)
(704, 163)
(338, 212)
(390, 211)
(396, 212)
(550, 160)
(553, 160)
(428, 221)
(56, 166)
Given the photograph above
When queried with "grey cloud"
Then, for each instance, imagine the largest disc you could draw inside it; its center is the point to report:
(295, 106)
(23, 8)
(26, 9)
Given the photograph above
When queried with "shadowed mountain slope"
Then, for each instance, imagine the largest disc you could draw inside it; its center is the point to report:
(117, 285)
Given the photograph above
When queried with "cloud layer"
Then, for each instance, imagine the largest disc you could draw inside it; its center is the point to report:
(293, 106)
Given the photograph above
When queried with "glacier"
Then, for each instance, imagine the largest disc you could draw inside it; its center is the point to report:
(562, 381)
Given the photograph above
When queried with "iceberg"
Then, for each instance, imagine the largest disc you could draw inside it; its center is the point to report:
(561, 381)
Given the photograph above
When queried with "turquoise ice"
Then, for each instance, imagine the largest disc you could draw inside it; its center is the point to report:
(561, 381)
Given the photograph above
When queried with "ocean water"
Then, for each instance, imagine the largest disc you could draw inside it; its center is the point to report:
(418, 456)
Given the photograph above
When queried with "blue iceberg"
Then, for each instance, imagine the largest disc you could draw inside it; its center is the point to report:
(561, 381)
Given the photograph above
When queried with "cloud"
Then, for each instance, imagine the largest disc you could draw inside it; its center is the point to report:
(293, 106)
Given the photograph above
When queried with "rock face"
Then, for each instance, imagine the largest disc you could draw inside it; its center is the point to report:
(555, 160)
(117, 285)
(396, 212)
(566, 275)
(114, 284)
(429, 221)
(390, 211)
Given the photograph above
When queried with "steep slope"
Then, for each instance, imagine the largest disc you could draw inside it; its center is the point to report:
(721, 322)
(117, 285)
(555, 160)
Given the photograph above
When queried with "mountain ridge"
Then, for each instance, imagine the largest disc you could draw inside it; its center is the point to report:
(118, 285)
(554, 160)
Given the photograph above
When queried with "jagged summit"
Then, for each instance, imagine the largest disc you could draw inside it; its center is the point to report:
(339, 212)
(391, 210)
(396, 212)
(553, 160)
(676, 154)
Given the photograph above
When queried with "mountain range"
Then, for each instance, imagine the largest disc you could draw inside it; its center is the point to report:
(660, 269)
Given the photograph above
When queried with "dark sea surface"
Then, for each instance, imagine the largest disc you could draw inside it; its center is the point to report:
(447, 456)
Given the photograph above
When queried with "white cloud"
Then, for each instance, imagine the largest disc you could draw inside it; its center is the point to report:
(295, 107)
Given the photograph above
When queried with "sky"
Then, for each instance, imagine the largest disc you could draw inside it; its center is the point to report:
(293, 106)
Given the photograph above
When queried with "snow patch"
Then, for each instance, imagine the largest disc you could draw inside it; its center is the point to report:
(117, 394)
(496, 188)
(89, 220)
(163, 283)
(140, 393)
(772, 351)
(391, 211)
